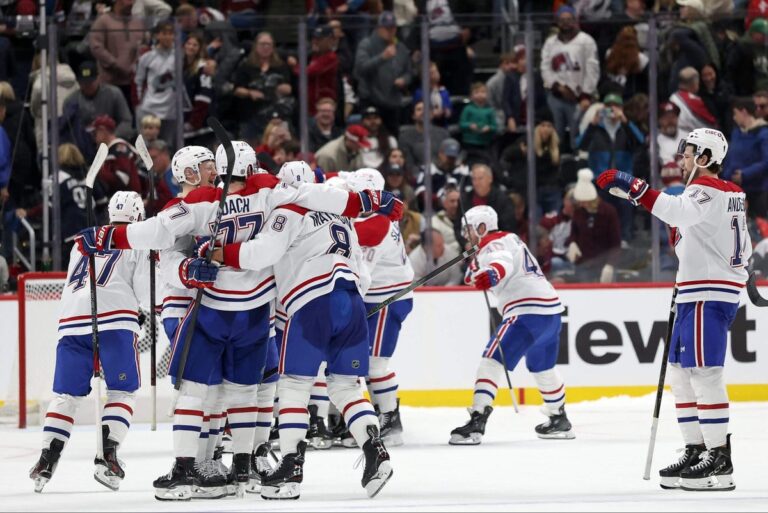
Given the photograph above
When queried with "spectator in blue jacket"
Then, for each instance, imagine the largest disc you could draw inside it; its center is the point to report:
(5, 157)
(747, 162)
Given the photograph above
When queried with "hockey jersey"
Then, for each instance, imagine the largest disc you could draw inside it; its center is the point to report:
(310, 252)
(523, 288)
(122, 281)
(175, 296)
(243, 216)
(711, 238)
(384, 256)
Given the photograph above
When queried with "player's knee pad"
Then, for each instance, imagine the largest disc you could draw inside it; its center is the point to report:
(293, 389)
(343, 389)
(235, 393)
(709, 385)
(212, 396)
(490, 369)
(378, 366)
(679, 380)
(65, 404)
(193, 389)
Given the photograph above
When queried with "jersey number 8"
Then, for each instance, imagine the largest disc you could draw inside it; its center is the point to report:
(340, 237)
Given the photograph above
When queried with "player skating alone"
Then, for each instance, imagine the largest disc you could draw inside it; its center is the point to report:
(531, 309)
(121, 278)
(713, 245)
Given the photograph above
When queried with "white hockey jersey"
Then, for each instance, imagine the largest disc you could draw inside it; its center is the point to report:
(175, 297)
(384, 256)
(523, 288)
(309, 252)
(122, 283)
(244, 215)
(711, 239)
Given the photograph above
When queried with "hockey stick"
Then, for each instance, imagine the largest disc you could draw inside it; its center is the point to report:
(660, 388)
(421, 281)
(491, 311)
(90, 179)
(141, 148)
(225, 141)
(753, 293)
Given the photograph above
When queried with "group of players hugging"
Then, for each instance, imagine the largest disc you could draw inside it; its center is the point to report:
(282, 332)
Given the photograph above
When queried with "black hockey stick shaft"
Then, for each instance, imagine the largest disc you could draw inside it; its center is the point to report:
(421, 281)
(224, 139)
(660, 388)
(753, 293)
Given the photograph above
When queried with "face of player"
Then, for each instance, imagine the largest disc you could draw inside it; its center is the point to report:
(207, 176)
(687, 162)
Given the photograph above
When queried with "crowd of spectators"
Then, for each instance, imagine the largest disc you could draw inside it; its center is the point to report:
(119, 62)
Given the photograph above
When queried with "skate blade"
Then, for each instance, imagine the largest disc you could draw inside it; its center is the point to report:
(240, 490)
(179, 493)
(40, 483)
(320, 444)
(474, 439)
(670, 483)
(254, 485)
(393, 440)
(214, 492)
(383, 475)
(724, 483)
(231, 490)
(349, 443)
(560, 435)
(107, 478)
(288, 491)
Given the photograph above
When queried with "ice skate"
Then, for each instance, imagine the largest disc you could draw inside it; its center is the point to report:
(714, 472)
(318, 436)
(472, 432)
(241, 470)
(207, 481)
(670, 476)
(260, 467)
(176, 485)
(558, 427)
(391, 427)
(285, 481)
(378, 469)
(109, 470)
(43, 470)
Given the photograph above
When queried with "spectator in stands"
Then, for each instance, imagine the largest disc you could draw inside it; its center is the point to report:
(519, 205)
(746, 164)
(760, 99)
(323, 68)
(151, 10)
(558, 226)
(24, 184)
(383, 70)
(441, 253)
(353, 15)
(485, 192)
(198, 86)
(394, 178)
(262, 83)
(66, 84)
(224, 48)
(693, 14)
(448, 220)
(626, 65)
(412, 225)
(411, 138)
(444, 170)
(379, 141)
(495, 85)
(186, 16)
(669, 134)
(747, 60)
(681, 50)
(448, 45)
(595, 241)
(275, 133)
(155, 83)
(120, 172)
(478, 125)
(114, 40)
(516, 92)
(322, 127)
(344, 153)
(714, 95)
(5, 156)
(693, 111)
(342, 49)
(166, 186)
(150, 128)
(570, 69)
(439, 98)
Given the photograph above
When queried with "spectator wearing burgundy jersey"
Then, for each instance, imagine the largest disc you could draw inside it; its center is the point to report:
(119, 172)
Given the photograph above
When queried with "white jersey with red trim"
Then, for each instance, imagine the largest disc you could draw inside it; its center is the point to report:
(175, 296)
(309, 252)
(243, 217)
(711, 240)
(281, 316)
(384, 256)
(122, 283)
(523, 288)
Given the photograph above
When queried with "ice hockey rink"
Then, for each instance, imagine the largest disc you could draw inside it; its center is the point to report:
(601, 470)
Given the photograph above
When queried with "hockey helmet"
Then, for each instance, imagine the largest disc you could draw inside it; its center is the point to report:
(338, 182)
(295, 173)
(126, 207)
(365, 178)
(245, 160)
(481, 215)
(186, 163)
(703, 139)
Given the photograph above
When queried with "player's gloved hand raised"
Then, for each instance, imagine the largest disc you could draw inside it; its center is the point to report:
(486, 278)
(383, 202)
(198, 273)
(613, 178)
(94, 239)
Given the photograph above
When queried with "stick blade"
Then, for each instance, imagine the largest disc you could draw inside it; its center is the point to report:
(141, 147)
(98, 161)
(753, 293)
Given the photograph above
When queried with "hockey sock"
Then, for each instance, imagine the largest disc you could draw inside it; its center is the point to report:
(294, 416)
(685, 404)
(319, 395)
(118, 413)
(265, 399)
(489, 374)
(60, 418)
(208, 405)
(188, 419)
(347, 394)
(241, 412)
(217, 420)
(382, 384)
(551, 388)
(712, 404)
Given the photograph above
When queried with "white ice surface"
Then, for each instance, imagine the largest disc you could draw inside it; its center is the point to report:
(512, 470)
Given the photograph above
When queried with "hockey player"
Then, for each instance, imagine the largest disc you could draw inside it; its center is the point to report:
(320, 275)
(530, 309)
(713, 246)
(235, 310)
(121, 278)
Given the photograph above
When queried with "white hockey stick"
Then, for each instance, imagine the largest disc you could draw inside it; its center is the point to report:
(90, 179)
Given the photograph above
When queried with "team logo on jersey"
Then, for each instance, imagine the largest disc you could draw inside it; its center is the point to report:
(355, 364)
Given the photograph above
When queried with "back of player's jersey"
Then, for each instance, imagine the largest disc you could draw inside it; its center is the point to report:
(389, 267)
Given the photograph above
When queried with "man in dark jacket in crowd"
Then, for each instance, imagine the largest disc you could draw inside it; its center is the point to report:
(485, 192)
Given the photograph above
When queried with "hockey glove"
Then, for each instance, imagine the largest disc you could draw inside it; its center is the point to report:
(486, 278)
(94, 239)
(202, 244)
(198, 273)
(634, 187)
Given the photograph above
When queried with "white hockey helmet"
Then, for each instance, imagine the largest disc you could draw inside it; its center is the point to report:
(365, 178)
(703, 139)
(481, 214)
(245, 160)
(126, 207)
(295, 173)
(186, 163)
(338, 182)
